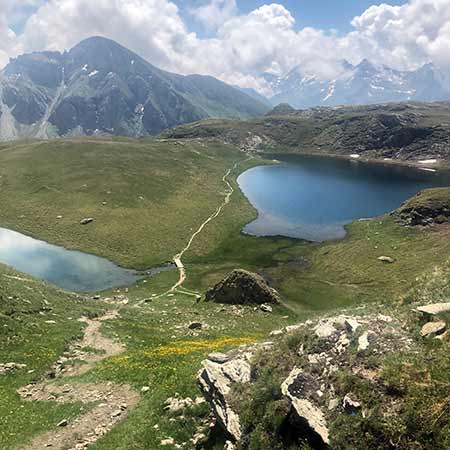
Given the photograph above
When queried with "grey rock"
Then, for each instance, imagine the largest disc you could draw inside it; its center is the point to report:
(365, 340)
(304, 408)
(434, 309)
(219, 358)
(386, 259)
(216, 380)
(266, 308)
(325, 329)
(432, 328)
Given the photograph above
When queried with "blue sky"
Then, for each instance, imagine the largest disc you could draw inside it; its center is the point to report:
(323, 14)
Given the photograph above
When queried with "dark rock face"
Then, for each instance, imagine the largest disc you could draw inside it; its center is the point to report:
(406, 131)
(242, 287)
(428, 207)
(100, 87)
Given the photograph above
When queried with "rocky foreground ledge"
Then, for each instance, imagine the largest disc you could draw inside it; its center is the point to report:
(312, 374)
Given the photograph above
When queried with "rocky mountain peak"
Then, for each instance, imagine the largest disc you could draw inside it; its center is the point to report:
(101, 87)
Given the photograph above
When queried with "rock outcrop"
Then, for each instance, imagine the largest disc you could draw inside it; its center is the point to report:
(325, 348)
(216, 380)
(241, 287)
(431, 206)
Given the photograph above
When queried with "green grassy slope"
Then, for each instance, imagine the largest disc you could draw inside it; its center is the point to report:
(146, 196)
(181, 186)
(37, 322)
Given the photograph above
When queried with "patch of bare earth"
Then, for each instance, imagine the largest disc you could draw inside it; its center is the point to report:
(106, 404)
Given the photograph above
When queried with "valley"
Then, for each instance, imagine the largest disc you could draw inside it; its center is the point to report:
(149, 200)
(224, 225)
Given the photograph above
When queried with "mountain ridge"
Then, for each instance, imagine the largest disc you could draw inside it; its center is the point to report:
(101, 87)
(361, 84)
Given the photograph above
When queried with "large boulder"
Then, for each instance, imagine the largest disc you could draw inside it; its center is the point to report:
(241, 287)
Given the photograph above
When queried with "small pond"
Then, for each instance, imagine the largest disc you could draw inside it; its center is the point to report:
(68, 269)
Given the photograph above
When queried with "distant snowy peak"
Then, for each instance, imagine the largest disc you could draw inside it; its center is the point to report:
(364, 83)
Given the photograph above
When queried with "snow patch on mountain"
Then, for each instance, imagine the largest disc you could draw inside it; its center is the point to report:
(364, 83)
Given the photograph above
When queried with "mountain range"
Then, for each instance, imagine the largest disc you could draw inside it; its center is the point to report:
(362, 84)
(100, 87)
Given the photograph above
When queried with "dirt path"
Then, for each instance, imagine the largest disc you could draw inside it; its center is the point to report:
(177, 259)
(112, 401)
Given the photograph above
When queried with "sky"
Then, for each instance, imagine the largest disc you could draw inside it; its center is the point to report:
(238, 40)
(323, 14)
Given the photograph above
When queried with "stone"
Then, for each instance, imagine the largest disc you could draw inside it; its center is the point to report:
(145, 389)
(276, 333)
(324, 329)
(386, 259)
(434, 309)
(229, 446)
(177, 404)
(266, 308)
(351, 324)
(63, 423)
(292, 328)
(333, 404)
(365, 340)
(306, 411)
(199, 438)
(431, 328)
(242, 287)
(215, 381)
(86, 221)
(7, 367)
(444, 337)
(116, 413)
(199, 401)
(219, 358)
(168, 441)
(350, 404)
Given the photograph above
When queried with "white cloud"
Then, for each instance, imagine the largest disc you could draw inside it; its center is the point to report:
(9, 45)
(215, 13)
(243, 46)
(404, 36)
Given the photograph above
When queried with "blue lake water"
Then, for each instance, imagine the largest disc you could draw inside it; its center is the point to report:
(314, 197)
(71, 270)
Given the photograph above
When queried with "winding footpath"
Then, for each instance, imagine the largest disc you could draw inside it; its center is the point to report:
(177, 259)
(112, 402)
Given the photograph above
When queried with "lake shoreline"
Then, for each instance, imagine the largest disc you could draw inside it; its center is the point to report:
(286, 190)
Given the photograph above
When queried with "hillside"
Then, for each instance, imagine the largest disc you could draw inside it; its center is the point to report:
(125, 376)
(404, 131)
(100, 87)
